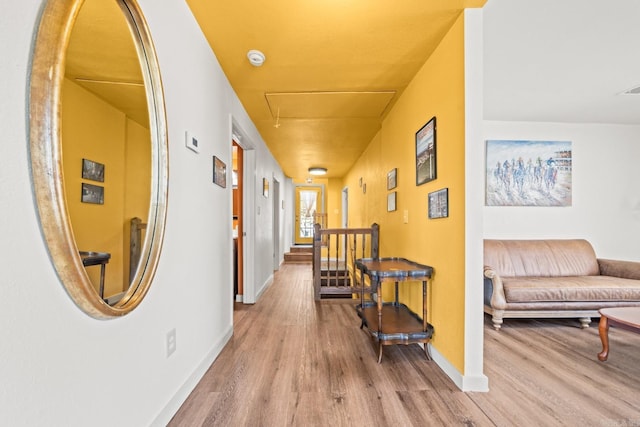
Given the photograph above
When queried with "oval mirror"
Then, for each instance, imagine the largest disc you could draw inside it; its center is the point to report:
(99, 151)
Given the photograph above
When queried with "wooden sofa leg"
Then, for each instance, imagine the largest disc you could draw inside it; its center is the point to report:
(497, 319)
(584, 322)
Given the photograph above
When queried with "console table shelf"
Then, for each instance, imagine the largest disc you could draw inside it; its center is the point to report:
(391, 322)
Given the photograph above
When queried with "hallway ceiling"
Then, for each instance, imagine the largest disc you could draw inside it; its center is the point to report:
(333, 68)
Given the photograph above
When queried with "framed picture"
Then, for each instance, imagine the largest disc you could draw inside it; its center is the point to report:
(426, 152)
(439, 203)
(528, 173)
(392, 179)
(92, 170)
(392, 199)
(265, 187)
(92, 194)
(219, 172)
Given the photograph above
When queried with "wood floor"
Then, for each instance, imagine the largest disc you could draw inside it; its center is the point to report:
(295, 362)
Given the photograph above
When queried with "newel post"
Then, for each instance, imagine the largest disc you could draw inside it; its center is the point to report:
(375, 240)
(317, 248)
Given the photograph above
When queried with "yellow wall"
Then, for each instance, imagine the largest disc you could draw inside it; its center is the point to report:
(437, 90)
(94, 130)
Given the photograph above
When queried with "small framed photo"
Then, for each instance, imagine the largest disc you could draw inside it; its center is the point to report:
(219, 172)
(265, 187)
(392, 199)
(439, 204)
(92, 170)
(92, 194)
(426, 152)
(392, 179)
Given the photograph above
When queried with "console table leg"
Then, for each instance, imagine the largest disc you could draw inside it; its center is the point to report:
(426, 351)
(603, 329)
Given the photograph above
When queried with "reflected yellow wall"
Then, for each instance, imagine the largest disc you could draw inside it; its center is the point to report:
(437, 90)
(94, 130)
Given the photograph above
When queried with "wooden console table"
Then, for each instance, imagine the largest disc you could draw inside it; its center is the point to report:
(96, 258)
(391, 322)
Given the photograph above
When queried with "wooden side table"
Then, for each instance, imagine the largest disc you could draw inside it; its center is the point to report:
(96, 258)
(623, 317)
(391, 322)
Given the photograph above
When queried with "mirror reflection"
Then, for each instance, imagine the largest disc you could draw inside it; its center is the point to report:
(106, 146)
(99, 155)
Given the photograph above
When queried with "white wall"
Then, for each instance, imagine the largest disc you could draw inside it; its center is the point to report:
(606, 195)
(61, 367)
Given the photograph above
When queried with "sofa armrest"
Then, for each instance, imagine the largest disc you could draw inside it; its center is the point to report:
(498, 300)
(617, 268)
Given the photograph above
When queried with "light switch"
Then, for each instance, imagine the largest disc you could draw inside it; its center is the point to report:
(405, 218)
(191, 141)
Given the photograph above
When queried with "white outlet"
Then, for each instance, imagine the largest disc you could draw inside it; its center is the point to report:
(171, 342)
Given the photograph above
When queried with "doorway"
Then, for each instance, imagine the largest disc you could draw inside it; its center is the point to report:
(308, 202)
(238, 229)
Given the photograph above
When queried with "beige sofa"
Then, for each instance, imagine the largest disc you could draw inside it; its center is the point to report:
(554, 278)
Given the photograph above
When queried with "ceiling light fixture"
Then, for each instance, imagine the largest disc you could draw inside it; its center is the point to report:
(317, 171)
(256, 58)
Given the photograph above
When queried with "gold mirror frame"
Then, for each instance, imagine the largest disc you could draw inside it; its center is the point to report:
(47, 75)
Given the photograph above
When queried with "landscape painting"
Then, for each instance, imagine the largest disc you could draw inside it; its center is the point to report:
(528, 173)
(426, 152)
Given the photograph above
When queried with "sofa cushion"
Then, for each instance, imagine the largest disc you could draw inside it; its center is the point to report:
(583, 288)
(542, 258)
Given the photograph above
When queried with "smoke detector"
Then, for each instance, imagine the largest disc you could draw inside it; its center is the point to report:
(632, 91)
(256, 58)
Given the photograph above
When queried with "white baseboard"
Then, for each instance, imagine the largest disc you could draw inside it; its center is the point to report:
(114, 298)
(239, 298)
(264, 286)
(183, 392)
(463, 382)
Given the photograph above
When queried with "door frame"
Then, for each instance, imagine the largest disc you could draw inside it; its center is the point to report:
(276, 224)
(248, 210)
(295, 192)
(345, 207)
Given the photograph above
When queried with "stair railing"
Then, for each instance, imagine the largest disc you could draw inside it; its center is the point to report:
(334, 253)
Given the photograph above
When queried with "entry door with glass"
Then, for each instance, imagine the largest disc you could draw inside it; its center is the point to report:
(308, 202)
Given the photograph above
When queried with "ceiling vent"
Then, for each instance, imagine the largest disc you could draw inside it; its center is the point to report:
(632, 91)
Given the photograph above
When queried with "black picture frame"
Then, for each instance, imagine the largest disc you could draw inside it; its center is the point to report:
(439, 204)
(219, 172)
(392, 179)
(93, 171)
(426, 160)
(392, 201)
(92, 194)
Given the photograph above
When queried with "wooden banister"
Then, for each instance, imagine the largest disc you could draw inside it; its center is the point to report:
(334, 253)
